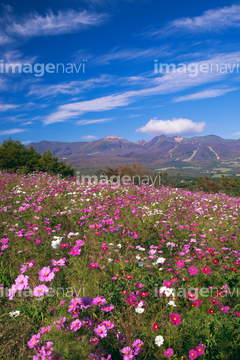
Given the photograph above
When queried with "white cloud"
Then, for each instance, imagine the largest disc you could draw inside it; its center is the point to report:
(213, 20)
(93, 121)
(205, 94)
(26, 142)
(172, 127)
(12, 131)
(64, 22)
(89, 137)
(5, 107)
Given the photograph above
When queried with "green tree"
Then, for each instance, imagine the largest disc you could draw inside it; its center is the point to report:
(14, 156)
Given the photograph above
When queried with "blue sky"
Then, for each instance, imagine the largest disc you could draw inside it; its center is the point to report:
(111, 80)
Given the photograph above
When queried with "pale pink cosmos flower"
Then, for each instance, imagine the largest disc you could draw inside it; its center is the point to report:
(40, 290)
(60, 262)
(45, 274)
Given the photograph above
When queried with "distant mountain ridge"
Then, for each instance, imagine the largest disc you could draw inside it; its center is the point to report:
(161, 151)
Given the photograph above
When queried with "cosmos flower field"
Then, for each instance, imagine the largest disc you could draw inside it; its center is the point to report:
(103, 272)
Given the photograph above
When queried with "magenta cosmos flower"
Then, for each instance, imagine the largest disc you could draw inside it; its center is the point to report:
(175, 319)
(168, 353)
(193, 354)
(75, 325)
(40, 290)
(206, 270)
(75, 251)
(200, 349)
(193, 270)
(46, 274)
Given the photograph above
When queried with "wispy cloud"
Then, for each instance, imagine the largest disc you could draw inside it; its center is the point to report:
(213, 20)
(94, 121)
(172, 127)
(165, 84)
(89, 137)
(73, 110)
(69, 88)
(205, 94)
(64, 22)
(12, 131)
(117, 54)
(5, 107)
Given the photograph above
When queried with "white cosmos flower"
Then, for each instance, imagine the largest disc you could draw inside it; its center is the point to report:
(139, 310)
(168, 292)
(14, 313)
(119, 246)
(161, 260)
(162, 289)
(159, 340)
(138, 257)
(109, 260)
(172, 303)
(160, 268)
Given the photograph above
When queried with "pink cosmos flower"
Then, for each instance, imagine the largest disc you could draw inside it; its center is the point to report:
(180, 264)
(75, 251)
(34, 340)
(193, 354)
(94, 340)
(101, 331)
(60, 262)
(40, 290)
(107, 308)
(175, 319)
(128, 353)
(137, 345)
(108, 324)
(75, 325)
(99, 301)
(45, 274)
(193, 270)
(22, 282)
(12, 292)
(60, 322)
(79, 242)
(45, 330)
(168, 353)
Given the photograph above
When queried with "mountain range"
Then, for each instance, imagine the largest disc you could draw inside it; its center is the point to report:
(202, 153)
